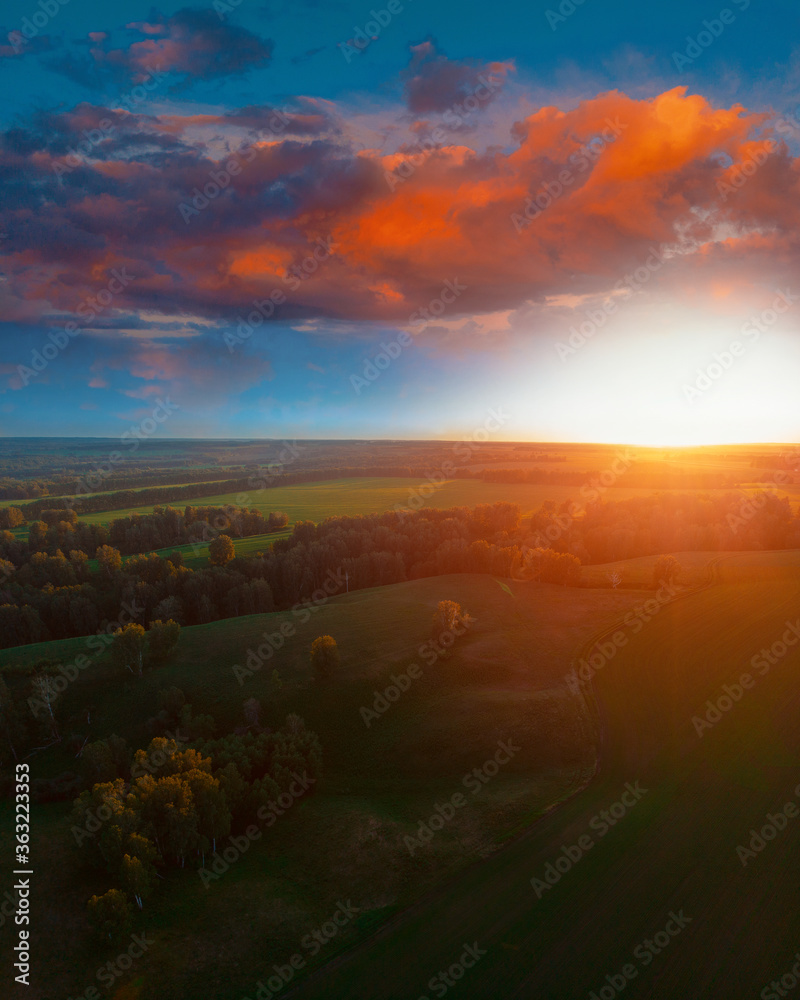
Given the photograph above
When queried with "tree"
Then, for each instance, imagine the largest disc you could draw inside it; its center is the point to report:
(162, 638)
(11, 517)
(106, 760)
(137, 877)
(211, 806)
(37, 535)
(110, 915)
(614, 578)
(221, 550)
(325, 657)
(169, 608)
(127, 647)
(109, 560)
(44, 692)
(447, 617)
(666, 570)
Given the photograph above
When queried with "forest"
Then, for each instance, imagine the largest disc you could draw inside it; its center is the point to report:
(51, 589)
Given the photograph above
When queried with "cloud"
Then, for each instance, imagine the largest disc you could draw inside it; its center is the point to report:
(575, 202)
(432, 82)
(191, 44)
(17, 45)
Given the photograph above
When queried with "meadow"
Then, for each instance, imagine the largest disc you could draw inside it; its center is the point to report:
(507, 681)
(351, 497)
(504, 681)
(709, 790)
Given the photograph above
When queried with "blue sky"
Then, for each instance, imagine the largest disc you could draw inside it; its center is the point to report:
(702, 166)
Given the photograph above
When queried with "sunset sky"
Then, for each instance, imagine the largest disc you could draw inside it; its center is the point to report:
(651, 294)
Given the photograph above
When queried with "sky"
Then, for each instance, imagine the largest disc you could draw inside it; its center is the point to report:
(540, 221)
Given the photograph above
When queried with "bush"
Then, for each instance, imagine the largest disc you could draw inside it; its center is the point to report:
(110, 915)
(325, 657)
(221, 550)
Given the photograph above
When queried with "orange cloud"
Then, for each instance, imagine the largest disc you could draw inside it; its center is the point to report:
(581, 199)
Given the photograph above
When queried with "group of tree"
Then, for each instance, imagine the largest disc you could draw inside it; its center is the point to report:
(30, 708)
(173, 803)
(609, 531)
(53, 596)
(59, 529)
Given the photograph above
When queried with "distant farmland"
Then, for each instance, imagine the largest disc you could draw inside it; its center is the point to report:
(349, 497)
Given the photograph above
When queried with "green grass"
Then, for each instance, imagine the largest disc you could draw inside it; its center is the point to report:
(316, 501)
(197, 558)
(676, 850)
(504, 681)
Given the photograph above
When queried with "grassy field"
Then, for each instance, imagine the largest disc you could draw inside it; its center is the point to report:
(503, 682)
(197, 558)
(316, 501)
(674, 851)
(210, 482)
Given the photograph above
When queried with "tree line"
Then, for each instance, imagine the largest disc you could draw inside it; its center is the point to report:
(61, 530)
(56, 596)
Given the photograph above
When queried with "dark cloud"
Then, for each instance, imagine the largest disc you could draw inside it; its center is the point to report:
(192, 44)
(18, 45)
(432, 82)
(579, 202)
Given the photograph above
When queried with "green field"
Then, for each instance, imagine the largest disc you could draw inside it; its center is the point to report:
(351, 497)
(503, 682)
(197, 558)
(676, 850)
